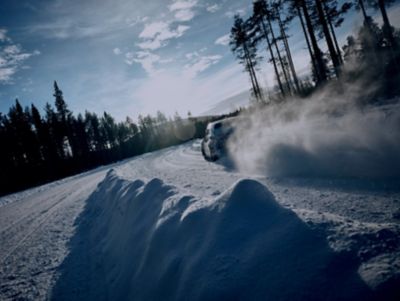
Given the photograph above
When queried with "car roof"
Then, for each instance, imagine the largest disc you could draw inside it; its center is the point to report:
(225, 121)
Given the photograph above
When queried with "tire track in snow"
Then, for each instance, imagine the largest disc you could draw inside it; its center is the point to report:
(38, 220)
(27, 218)
(33, 249)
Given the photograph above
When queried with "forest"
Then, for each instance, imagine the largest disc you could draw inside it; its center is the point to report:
(372, 56)
(37, 149)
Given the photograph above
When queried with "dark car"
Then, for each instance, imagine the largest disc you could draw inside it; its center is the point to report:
(217, 133)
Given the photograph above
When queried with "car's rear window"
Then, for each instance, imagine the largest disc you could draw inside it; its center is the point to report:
(217, 125)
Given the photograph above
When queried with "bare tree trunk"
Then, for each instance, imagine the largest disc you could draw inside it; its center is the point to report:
(279, 54)
(307, 39)
(321, 72)
(256, 86)
(253, 85)
(364, 12)
(338, 50)
(259, 93)
(328, 38)
(387, 28)
(273, 58)
(288, 53)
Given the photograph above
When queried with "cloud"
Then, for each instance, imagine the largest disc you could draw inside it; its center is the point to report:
(212, 8)
(232, 13)
(157, 34)
(147, 60)
(199, 64)
(6, 73)
(224, 40)
(136, 20)
(184, 15)
(183, 9)
(65, 19)
(3, 35)
(151, 44)
(117, 51)
(182, 4)
(12, 57)
(151, 30)
(65, 28)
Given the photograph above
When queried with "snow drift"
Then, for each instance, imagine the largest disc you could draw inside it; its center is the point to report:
(146, 241)
(328, 135)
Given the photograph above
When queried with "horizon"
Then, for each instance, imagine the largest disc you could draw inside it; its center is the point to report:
(129, 58)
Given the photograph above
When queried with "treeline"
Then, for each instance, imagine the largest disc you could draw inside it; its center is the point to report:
(36, 149)
(373, 54)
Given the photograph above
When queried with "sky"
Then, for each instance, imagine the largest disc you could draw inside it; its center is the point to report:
(129, 57)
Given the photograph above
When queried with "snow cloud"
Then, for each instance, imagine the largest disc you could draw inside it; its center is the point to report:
(329, 135)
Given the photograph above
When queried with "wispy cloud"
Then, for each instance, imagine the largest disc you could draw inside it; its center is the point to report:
(183, 9)
(136, 20)
(199, 63)
(232, 13)
(212, 8)
(117, 51)
(3, 35)
(72, 28)
(224, 40)
(65, 19)
(147, 60)
(182, 4)
(184, 15)
(157, 34)
(12, 57)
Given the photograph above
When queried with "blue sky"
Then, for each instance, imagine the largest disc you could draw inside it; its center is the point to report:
(127, 56)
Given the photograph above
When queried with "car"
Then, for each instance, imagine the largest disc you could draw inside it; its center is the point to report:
(213, 146)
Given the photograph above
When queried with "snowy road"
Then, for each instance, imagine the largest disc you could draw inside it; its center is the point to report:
(34, 233)
(36, 225)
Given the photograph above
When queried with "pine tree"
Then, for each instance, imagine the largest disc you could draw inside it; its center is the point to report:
(318, 57)
(328, 38)
(387, 27)
(278, 6)
(245, 51)
(259, 24)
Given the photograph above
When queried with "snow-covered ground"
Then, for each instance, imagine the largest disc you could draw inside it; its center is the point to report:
(170, 226)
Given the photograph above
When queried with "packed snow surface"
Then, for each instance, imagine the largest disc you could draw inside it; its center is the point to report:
(170, 226)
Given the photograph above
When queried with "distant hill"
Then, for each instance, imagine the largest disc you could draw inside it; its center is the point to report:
(230, 104)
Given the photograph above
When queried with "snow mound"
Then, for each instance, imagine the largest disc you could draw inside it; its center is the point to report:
(146, 241)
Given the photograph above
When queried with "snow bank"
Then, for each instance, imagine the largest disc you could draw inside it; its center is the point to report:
(145, 241)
